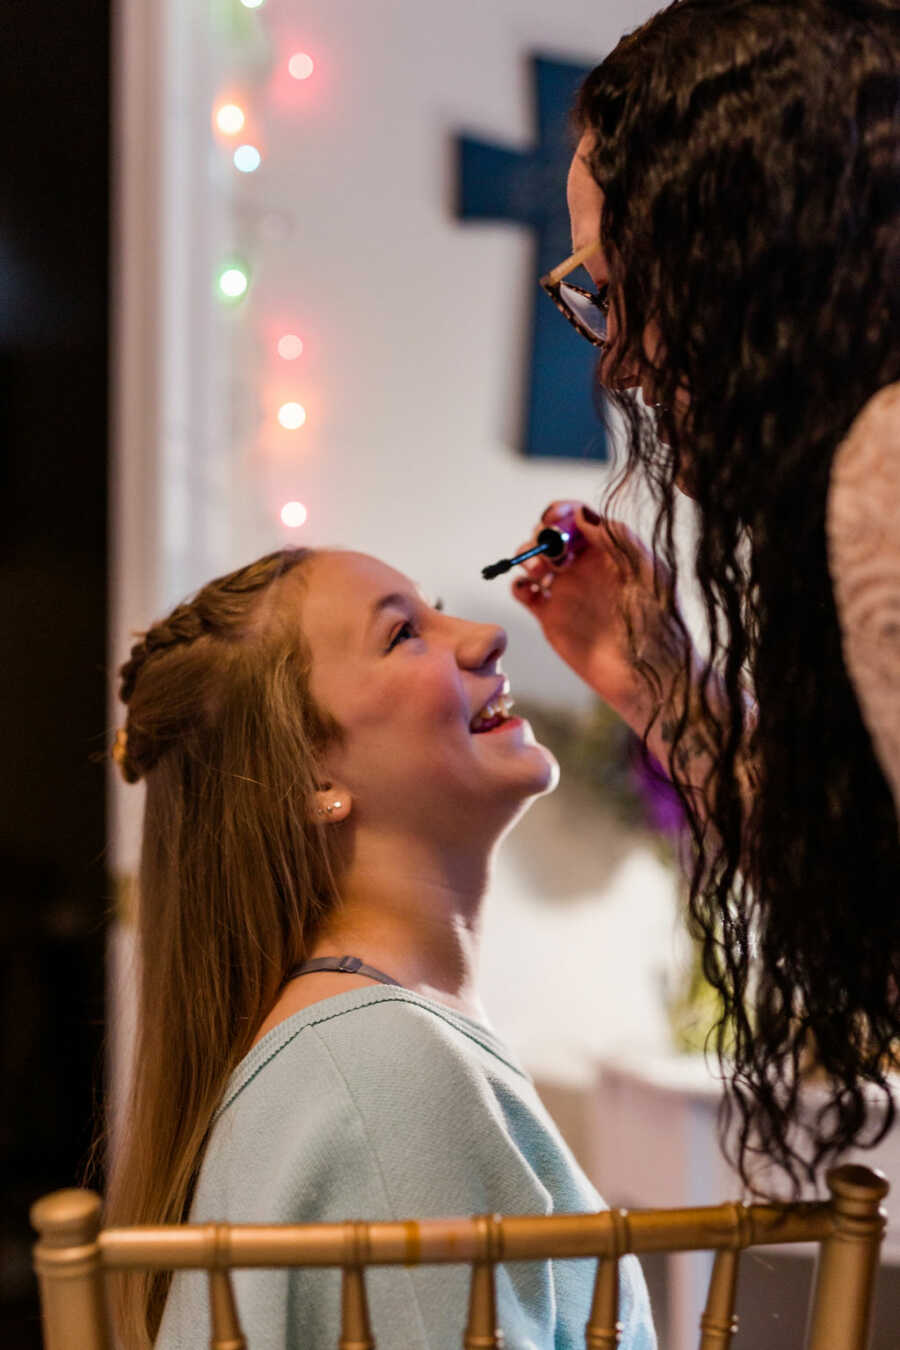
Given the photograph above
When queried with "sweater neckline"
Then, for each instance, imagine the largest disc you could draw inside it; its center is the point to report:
(354, 1000)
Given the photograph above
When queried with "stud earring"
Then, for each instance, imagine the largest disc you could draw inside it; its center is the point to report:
(338, 805)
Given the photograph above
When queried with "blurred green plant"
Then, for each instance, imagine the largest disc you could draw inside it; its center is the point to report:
(596, 749)
(599, 751)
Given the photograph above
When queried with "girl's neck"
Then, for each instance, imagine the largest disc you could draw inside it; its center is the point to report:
(413, 911)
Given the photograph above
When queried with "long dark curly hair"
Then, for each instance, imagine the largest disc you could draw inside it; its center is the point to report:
(749, 155)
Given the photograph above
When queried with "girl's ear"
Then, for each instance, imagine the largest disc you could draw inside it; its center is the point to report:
(331, 803)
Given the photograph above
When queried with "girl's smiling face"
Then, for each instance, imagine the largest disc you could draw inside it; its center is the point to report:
(406, 683)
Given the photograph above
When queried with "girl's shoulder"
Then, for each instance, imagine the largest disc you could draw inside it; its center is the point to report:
(367, 1036)
(312, 989)
(383, 1082)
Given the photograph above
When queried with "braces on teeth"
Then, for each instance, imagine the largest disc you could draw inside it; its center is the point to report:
(501, 706)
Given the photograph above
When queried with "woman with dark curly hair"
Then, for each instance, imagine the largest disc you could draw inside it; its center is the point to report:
(735, 198)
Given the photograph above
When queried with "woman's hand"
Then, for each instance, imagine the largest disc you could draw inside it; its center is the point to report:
(609, 612)
(586, 608)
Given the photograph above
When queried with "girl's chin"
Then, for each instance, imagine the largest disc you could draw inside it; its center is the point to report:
(512, 768)
(551, 775)
(543, 775)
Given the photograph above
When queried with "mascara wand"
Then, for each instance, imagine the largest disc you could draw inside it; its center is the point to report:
(554, 543)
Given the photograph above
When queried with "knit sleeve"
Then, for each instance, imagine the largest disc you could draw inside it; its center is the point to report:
(864, 558)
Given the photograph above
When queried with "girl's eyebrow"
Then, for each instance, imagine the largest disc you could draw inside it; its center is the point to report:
(399, 600)
(395, 600)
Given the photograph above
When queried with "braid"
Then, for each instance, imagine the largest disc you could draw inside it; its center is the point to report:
(184, 624)
(221, 611)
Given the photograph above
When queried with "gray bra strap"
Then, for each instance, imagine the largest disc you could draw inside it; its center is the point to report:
(347, 965)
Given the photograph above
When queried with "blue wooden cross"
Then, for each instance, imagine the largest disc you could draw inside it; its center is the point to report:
(529, 187)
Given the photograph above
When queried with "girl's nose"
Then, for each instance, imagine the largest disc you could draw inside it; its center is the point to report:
(482, 644)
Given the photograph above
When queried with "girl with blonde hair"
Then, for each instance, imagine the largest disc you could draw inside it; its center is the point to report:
(330, 763)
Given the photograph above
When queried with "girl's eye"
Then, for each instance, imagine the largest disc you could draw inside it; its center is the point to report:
(405, 631)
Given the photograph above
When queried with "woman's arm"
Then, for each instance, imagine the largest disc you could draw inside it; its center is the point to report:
(864, 559)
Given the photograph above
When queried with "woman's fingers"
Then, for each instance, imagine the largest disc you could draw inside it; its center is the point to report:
(556, 510)
(533, 567)
(534, 587)
(526, 591)
(533, 593)
(614, 558)
(597, 529)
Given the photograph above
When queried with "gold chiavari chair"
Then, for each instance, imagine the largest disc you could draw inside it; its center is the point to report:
(73, 1252)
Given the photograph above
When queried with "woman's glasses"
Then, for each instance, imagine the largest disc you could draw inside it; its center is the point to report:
(585, 310)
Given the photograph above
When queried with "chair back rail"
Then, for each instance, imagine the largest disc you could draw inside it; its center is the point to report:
(73, 1252)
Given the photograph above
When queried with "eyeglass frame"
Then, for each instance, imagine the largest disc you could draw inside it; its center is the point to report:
(552, 284)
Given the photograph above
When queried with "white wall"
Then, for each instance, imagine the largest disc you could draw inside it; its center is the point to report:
(411, 377)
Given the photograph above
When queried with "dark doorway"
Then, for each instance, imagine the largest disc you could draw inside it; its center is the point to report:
(54, 74)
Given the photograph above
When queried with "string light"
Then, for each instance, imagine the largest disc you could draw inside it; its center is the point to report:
(233, 276)
(291, 416)
(301, 66)
(294, 514)
(233, 281)
(290, 347)
(247, 158)
(230, 119)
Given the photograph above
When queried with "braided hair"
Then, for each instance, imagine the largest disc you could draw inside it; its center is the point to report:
(749, 156)
(134, 752)
(235, 877)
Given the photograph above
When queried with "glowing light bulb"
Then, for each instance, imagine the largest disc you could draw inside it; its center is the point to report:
(294, 514)
(251, 4)
(301, 66)
(233, 282)
(290, 347)
(292, 415)
(247, 158)
(230, 119)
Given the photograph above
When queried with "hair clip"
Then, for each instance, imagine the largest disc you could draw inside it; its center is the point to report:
(120, 746)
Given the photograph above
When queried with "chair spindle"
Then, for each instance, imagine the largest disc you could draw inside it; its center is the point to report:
(356, 1329)
(226, 1333)
(604, 1330)
(718, 1322)
(848, 1260)
(482, 1332)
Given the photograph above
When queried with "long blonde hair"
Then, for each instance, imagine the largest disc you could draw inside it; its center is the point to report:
(235, 876)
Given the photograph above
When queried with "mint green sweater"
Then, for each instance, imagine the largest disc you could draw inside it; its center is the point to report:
(380, 1104)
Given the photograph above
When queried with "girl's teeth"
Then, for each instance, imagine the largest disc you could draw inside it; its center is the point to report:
(498, 707)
